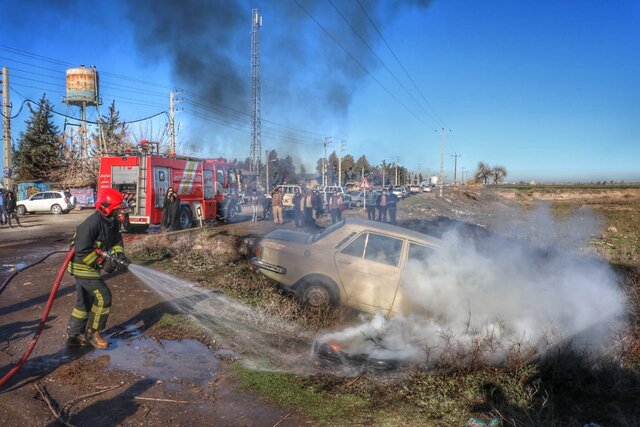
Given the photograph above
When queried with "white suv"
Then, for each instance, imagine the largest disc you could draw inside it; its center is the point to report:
(56, 202)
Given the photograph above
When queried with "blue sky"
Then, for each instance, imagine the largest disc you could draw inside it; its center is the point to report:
(548, 89)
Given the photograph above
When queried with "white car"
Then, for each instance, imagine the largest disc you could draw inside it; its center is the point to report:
(56, 202)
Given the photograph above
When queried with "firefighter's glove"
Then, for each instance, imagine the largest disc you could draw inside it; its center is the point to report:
(121, 261)
(108, 265)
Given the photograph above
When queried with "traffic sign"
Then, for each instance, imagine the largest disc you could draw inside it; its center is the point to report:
(365, 184)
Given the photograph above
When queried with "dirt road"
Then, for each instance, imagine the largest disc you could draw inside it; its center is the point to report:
(142, 370)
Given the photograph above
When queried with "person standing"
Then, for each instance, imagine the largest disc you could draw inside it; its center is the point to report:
(267, 201)
(382, 205)
(318, 201)
(309, 205)
(10, 206)
(370, 201)
(96, 241)
(335, 207)
(298, 215)
(392, 202)
(4, 218)
(277, 206)
(253, 201)
(171, 211)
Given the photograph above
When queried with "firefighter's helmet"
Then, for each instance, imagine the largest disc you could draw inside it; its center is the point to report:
(109, 200)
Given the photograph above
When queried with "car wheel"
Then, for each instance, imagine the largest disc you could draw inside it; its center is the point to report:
(318, 295)
(358, 204)
(56, 209)
(185, 217)
(21, 210)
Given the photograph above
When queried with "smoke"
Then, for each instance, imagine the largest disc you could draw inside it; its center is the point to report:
(494, 300)
(302, 69)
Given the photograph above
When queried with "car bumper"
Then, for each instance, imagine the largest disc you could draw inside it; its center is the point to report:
(269, 267)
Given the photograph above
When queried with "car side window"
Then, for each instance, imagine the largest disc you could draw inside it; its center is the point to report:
(419, 252)
(383, 249)
(38, 196)
(49, 195)
(356, 248)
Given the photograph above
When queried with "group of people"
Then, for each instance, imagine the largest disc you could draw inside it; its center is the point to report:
(385, 203)
(8, 209)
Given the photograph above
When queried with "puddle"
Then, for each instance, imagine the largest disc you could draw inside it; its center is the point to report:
(166, 360)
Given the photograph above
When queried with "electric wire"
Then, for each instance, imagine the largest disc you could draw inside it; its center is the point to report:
(353, 29)
(399, 63)
(336, 41)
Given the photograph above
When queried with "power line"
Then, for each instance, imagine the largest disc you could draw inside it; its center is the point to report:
(380, 60)
(336, 41)
(399, 63)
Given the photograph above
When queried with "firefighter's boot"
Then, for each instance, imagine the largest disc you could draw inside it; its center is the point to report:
(96, 340)
(77, 341)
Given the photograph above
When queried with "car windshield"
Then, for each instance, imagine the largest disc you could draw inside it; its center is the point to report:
(326, 231)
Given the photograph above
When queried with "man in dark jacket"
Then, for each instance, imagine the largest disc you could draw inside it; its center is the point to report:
(392, 203)
(98, 246)
(10, 206)
(171, 211)
(298, 213)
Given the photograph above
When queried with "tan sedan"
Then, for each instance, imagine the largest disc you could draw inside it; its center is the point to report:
(355, 262)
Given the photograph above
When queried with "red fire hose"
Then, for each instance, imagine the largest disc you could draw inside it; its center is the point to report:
(45, 314)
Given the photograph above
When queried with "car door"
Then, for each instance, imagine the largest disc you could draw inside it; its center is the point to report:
(36, 203)
(369, 270)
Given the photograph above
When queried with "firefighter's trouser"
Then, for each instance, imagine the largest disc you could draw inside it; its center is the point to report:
(92, 306)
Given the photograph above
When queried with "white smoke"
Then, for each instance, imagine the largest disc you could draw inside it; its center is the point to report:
(493, 300)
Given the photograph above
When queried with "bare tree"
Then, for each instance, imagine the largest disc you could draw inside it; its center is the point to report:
(498, 173)
(483, 173)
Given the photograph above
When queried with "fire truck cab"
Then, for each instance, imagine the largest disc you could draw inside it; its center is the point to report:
(208, 188)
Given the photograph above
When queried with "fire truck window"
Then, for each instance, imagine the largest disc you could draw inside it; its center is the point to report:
(220, 177)
(232, 176)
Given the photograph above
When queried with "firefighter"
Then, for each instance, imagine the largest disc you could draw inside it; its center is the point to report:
(98, 246)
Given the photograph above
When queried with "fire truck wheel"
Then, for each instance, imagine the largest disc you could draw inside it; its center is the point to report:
(185, 218)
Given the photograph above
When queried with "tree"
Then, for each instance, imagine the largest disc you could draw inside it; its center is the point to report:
(483, 172)
(362, 164)
(39, 150)
(348, 168)
(114, 131)
(498, 173)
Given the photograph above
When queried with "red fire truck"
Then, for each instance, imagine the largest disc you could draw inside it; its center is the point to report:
(208, 188)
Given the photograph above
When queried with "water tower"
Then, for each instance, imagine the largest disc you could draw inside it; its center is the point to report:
(82, 91)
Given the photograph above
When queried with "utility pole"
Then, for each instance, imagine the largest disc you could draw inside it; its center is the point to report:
(455, 167)
(384, 166)
(327, 140)
(266, 161)
(442, 164)
(462, 168)
(340, 146)
(6, 111)
(397, 161)
(172, 122)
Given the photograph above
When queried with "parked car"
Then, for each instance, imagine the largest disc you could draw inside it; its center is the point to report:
(328, 191)
(56, 202)
(414, 189)
(400, 192)
(357, 198)
(358, 263)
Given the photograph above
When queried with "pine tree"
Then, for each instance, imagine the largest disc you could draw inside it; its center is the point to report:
(114, 131)
(39, 149)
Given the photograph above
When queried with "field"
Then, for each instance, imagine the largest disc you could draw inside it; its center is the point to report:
(561, 387)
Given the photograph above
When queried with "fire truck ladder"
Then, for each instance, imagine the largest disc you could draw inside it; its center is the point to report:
(141, 193)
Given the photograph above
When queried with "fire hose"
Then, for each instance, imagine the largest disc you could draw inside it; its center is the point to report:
(45, 312)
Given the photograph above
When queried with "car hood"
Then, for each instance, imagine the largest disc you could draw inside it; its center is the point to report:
(288, 236)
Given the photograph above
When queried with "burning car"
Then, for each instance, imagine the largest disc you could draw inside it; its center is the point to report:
(355, 262)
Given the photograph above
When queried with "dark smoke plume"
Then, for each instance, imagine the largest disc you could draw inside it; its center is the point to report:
(208, 45)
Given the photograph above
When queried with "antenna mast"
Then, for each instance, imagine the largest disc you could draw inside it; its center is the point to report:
(256, 126)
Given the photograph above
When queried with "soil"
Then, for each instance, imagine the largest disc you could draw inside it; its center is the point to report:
(139, 364)
(145, 364)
